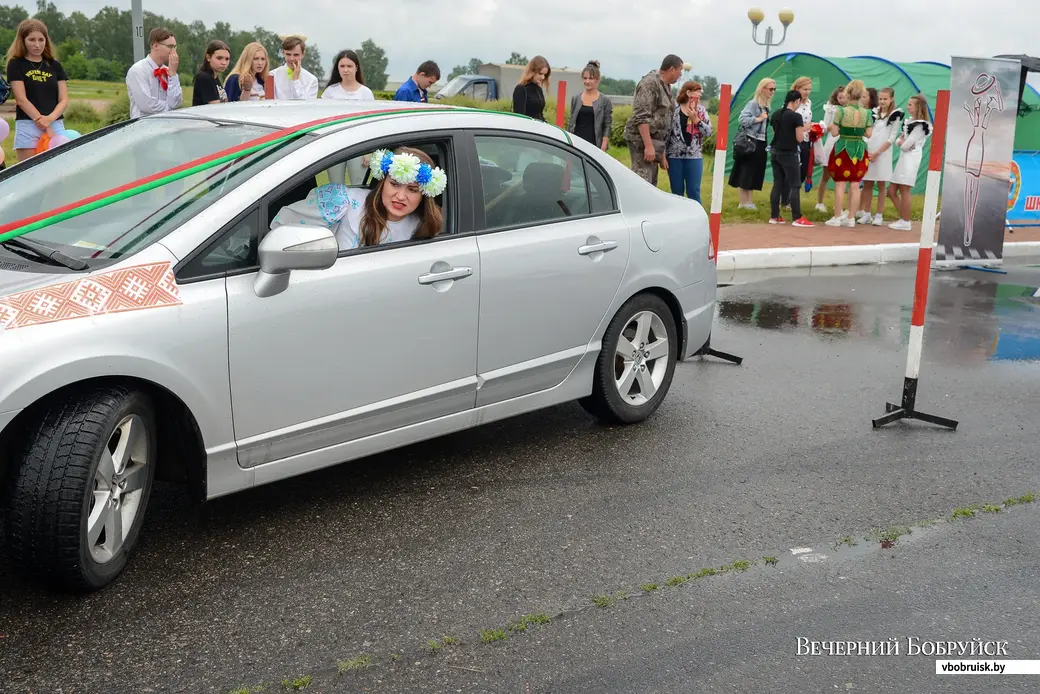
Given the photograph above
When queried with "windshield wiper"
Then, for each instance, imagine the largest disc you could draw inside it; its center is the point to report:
(44, 251)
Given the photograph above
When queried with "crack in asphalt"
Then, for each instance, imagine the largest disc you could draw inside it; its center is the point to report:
(844, 548)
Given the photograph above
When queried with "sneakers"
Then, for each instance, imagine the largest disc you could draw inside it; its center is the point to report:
(834, 222)
(802, 222)
(901, 225)
(777, 220)
(747, 206)
(863, 217)
(878, 220)
(849, 222)
(820, 207)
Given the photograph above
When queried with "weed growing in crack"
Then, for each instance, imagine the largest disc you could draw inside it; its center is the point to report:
(706, 572)
(527, 620)
(847, 540)
(650, 587)
(966, 511)
(359, 663)
(771, 560)
(298, 683)
(492, 635)
(741, 565)
(990, 508)
(677, 580)
(888, 535)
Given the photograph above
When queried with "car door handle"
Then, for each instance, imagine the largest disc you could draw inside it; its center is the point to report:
(452, 274)
(602, 247)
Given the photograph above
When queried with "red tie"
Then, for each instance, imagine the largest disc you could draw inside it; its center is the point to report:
(161, 73)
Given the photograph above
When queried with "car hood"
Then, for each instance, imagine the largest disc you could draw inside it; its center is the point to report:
(15, 281)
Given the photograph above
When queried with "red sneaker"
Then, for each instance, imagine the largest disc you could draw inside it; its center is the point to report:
(776, 220)
(802, 222)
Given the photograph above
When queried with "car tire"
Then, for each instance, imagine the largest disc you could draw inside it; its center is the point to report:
(627, 370)
(76, 496)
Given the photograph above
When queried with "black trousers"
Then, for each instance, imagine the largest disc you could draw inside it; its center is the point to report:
(785, 184)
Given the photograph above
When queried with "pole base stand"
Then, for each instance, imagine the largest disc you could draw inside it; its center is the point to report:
(895, 413)
(707, 351)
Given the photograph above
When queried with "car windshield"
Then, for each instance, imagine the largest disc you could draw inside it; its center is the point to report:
(122, 155)
(454, 86)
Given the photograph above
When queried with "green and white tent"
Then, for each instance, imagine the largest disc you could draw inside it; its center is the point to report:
(906, 79)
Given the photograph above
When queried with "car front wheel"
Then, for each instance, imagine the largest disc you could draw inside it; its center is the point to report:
(636, 363)
(76, 500)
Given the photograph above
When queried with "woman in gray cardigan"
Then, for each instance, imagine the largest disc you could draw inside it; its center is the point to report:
(592, 114)
(749, 170)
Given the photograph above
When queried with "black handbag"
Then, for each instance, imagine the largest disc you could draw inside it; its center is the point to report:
(743, 143)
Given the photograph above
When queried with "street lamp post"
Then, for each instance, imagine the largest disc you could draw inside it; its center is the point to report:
(137, 17)
(756, 16)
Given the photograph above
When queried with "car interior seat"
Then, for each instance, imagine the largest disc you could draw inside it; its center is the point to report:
(543, 195)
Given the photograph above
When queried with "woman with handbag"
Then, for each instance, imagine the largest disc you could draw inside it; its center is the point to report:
(749, 145)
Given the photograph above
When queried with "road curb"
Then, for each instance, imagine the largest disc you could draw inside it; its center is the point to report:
(833, 256)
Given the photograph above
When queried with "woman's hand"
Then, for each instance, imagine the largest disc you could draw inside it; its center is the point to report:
(246, 83)
(762, 116)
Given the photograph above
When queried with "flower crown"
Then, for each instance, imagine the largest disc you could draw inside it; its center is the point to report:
(406, 168)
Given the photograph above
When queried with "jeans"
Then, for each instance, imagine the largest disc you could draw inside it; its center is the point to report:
(785, 179)
(684, 175)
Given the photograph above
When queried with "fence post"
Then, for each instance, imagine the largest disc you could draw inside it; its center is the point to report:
(719, 170)
(269, 87)
(561, 102)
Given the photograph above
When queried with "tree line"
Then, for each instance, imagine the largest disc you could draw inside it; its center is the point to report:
(101, 47)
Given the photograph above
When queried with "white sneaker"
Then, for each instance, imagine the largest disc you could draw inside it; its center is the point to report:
(863, 218)
(878, 220)
(820, 207)
(834, 222)
(901, 225)
(849, 222)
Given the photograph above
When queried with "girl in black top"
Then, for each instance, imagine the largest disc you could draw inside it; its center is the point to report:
(788, 131)
(528, 97)
(207, 89)
(39, 85)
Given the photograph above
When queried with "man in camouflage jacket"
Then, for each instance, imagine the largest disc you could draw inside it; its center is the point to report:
(652, 108)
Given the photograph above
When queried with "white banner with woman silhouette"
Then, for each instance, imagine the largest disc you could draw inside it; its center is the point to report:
(980, 144)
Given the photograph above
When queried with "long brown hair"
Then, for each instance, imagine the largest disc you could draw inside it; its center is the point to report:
(534, 67)
(26, 27)
(922, 107)
(891, 101)
(211, 50)
(374, 221)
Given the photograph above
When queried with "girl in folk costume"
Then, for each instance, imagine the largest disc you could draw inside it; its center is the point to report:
(848, 161)
(824, 147)
(915, 132)
(888, 125)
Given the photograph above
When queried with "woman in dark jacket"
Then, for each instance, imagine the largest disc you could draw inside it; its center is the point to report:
(592, 114)
(528, 97)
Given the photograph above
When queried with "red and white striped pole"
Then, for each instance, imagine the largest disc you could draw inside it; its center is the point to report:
(906, 410)
(719, 170)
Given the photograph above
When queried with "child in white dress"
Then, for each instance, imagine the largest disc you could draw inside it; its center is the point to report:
(824, 147)
(888, 124)
(915, 132)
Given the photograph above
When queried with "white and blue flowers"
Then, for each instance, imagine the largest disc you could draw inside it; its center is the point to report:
(406, 168)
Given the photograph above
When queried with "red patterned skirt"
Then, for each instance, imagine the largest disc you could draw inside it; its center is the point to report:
(842, 167)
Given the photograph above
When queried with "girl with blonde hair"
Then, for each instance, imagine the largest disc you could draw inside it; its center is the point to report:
(246, 81)
(888, 122)
(749, 167)
(915, 132)
(39, 86)
(848, 161)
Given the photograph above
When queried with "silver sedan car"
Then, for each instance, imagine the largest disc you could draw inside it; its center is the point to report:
(157, 323)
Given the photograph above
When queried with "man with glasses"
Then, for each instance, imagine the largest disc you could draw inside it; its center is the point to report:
(152, 83)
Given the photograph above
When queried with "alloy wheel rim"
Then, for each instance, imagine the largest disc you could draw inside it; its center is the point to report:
(641, 358)
(118, 489)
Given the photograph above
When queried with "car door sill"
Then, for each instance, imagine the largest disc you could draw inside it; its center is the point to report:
(361, 422)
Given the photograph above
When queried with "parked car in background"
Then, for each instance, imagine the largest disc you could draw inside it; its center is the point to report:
(173, 334)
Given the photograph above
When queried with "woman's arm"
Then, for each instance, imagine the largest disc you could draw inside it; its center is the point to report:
(520, 99)
(23, 101)
(608, 122)
(63, 103)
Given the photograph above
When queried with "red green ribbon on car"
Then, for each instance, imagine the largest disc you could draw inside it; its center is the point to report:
(142, 185)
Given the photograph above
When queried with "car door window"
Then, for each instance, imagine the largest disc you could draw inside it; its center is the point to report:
(527, 182)
(480, 91)
(233, 250)
(601, 199)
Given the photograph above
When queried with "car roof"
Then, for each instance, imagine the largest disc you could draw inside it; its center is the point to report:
(284, 114)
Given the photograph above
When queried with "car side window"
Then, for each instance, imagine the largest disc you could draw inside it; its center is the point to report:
(233, 250)
(600, 198)
(529, 182)
(480, 91)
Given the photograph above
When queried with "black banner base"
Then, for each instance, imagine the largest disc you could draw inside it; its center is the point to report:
(709, 352)
(907, 411)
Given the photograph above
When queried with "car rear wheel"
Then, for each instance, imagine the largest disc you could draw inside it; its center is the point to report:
(636, 363)
(76, 500)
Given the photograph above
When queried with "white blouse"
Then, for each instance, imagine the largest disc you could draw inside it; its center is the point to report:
(340, 209)
(336, 91)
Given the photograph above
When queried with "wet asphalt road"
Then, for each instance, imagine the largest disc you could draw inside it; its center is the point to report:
(539, 514)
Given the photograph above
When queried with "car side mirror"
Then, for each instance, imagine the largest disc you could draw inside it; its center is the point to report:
(288, 248)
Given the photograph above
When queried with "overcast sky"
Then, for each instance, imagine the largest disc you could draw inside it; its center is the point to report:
(713, 35)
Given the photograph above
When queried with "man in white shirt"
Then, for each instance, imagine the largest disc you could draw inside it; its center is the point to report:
(153, 86)
(291, 81)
